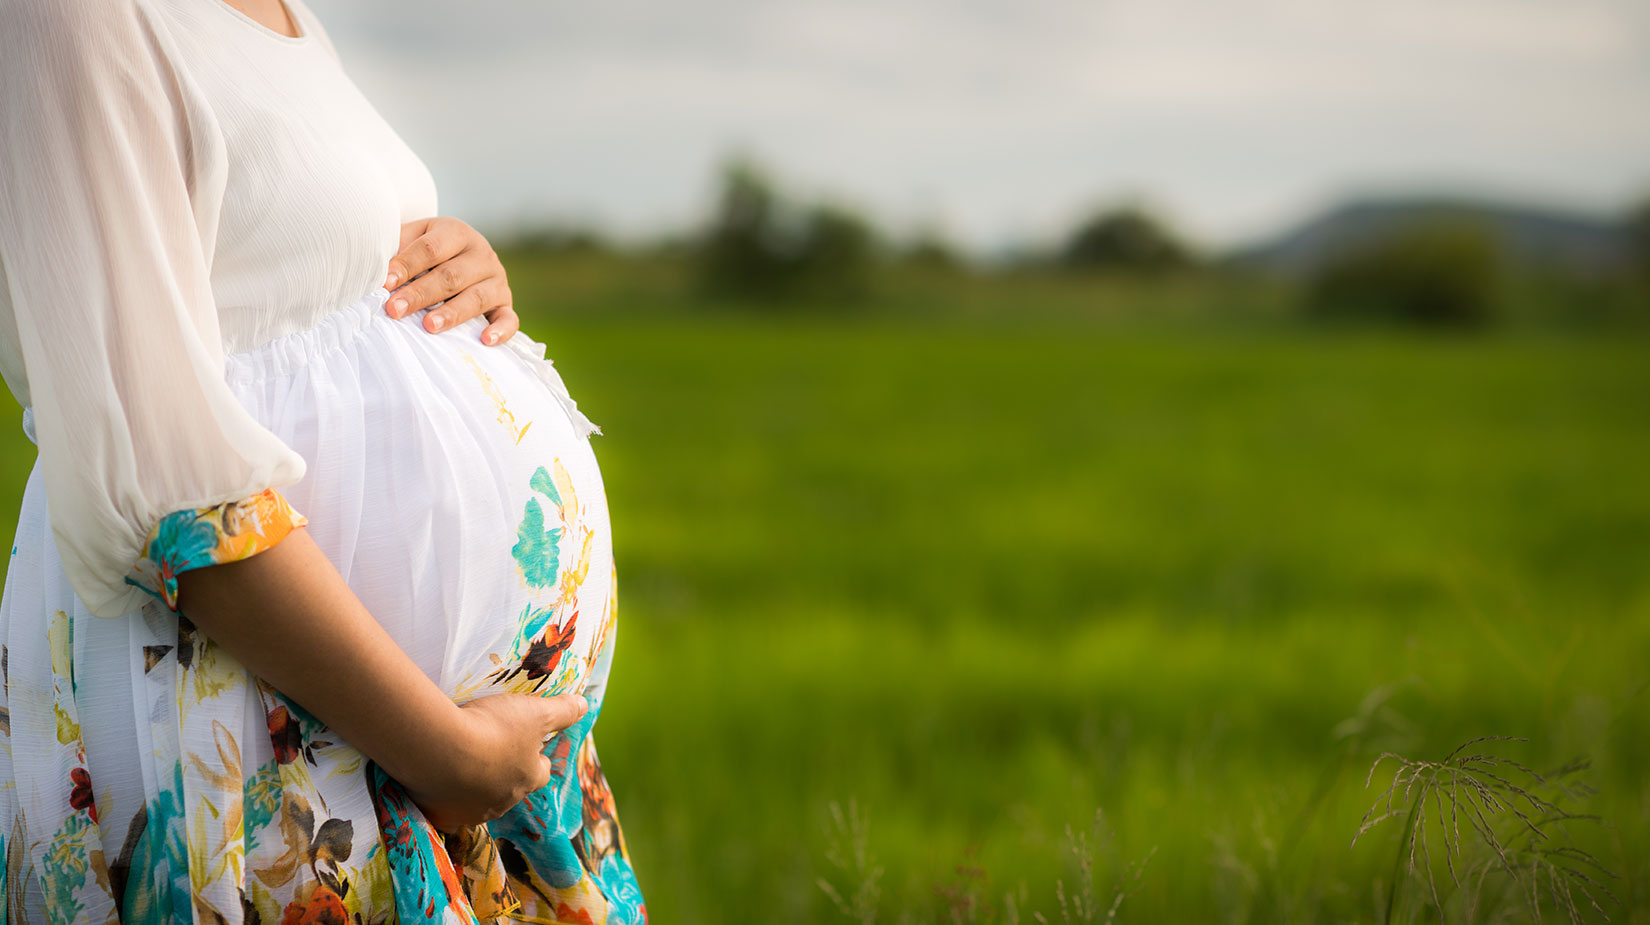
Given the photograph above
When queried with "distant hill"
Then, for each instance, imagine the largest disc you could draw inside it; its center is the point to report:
(1529, 235)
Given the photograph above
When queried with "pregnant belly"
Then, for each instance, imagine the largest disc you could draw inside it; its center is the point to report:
(453, 491)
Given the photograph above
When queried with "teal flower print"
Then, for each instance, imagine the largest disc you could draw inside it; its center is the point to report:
(540, 482)
(537, 549)
(619, 886)
(183, 541)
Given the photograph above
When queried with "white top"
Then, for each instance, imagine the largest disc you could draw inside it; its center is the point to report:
(177, 182)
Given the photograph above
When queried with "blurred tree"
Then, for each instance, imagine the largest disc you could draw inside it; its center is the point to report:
(1126, 238)
(836, 253)
(1441, 274)
(931, 249)
(743, 252)
(1638, 238)
(759, 245)
(560, 239)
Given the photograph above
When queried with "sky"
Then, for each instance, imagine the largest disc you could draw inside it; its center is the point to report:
(1001, 123)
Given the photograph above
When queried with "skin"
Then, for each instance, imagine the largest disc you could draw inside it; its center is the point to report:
(446, 259)
(271, 14)
(462, 764)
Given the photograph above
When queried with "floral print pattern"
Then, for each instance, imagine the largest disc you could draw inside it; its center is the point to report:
(196, 537)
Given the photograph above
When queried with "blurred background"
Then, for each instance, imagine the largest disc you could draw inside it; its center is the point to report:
(1018, 412)
(1021, 410)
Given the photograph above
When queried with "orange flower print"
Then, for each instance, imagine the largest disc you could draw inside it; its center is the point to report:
(573, 916)
(323, 907)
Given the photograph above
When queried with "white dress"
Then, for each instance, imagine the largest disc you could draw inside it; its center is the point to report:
(196, 214)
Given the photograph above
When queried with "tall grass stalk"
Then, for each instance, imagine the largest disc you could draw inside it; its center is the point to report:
(1084, 905)
(848, 849)
(1516, 836)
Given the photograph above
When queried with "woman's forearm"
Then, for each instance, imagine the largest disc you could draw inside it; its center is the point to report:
(289, 616)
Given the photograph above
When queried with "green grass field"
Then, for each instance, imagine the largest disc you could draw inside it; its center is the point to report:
(987, 572)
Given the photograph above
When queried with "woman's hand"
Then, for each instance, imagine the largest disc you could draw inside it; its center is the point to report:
(288, 615)
(496, 759)
(458, 265)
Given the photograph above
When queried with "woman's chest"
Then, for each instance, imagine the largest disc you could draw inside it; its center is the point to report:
(307, 185)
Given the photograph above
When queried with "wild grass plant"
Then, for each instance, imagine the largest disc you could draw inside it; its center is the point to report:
(848, 849)
(1499, 829)
(967, 897)
(1480, 838)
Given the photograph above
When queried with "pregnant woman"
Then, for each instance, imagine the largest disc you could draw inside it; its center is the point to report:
(310, 608)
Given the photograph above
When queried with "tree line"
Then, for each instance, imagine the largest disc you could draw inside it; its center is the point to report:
(763, 246)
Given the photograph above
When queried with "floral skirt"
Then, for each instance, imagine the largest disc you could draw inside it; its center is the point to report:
(146, 776)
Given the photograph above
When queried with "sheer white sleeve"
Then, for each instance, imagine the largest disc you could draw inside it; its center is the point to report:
(148, 460)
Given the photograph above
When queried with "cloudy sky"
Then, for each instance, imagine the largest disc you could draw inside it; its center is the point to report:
(1002, 121)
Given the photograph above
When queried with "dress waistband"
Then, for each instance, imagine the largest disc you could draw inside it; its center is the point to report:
(283, 354)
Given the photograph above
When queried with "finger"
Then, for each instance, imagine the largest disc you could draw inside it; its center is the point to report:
(409, 232)
(477, 299)
(542, 773)
(562, 711)
(444, 280)
(504, 324)
(440, 241)
(396, 272)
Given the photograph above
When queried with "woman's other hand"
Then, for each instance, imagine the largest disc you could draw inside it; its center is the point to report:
(459, 266)
(495, 761)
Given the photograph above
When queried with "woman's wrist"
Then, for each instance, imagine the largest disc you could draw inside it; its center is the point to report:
(431, 759)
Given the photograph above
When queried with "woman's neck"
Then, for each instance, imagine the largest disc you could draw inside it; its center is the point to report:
(271, 14)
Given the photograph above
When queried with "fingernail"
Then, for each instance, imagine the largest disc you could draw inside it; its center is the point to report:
(398, 307)
(492, 337)
(436, 321)
(390, 283)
